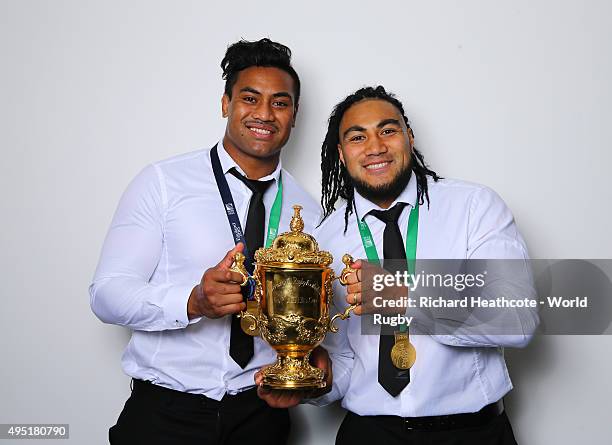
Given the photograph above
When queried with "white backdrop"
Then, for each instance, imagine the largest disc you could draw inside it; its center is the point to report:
(512, 94)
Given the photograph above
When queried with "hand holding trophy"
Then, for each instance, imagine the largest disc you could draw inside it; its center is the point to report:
(293, 292)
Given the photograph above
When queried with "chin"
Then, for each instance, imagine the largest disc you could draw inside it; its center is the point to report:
(383, 189)
(264, 153)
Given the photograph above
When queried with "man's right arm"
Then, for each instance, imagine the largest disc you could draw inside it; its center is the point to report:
(121, 292)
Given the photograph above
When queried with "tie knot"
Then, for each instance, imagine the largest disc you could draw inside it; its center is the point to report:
(390, 215)
(253, 184)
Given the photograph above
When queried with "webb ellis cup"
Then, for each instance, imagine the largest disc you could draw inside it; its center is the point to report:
(293, 294)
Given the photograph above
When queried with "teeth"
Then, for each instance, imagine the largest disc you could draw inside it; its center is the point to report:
(374, 166)
(260, 130)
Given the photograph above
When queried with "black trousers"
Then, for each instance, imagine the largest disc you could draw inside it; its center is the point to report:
(369, 430)
(156, 415)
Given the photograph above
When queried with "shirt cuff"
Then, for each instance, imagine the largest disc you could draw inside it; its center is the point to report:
(175, 309)
(336, 393)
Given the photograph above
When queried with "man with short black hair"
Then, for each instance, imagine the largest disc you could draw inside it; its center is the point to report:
(164, 270)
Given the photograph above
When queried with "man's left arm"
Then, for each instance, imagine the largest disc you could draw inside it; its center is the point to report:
(492, 238)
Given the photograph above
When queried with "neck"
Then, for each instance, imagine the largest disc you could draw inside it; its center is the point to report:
(252, 166)
(384, 203)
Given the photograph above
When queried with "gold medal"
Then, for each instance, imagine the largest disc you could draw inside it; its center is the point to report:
(248, 325)
(403, 354)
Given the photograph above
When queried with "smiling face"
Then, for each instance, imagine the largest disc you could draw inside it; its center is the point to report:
(375, 146)
(260, 115)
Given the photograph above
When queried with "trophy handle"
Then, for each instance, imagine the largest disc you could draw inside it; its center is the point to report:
(249, 321)
(238, 266)
(347, 260)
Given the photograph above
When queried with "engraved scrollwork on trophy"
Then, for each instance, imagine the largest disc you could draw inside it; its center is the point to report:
(291, 369)
(289, 254)
(311, 331)
(293, 292)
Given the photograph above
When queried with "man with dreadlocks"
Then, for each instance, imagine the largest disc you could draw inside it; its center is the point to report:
(165, 271)
(452, 393)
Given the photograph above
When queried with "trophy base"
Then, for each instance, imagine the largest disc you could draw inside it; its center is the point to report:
(293, 373)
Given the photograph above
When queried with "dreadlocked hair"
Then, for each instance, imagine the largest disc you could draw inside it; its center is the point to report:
(336, 182)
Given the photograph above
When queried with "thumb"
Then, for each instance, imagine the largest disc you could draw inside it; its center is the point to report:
(228, 259)
(319, 357)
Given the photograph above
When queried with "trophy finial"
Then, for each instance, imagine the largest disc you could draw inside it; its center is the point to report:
(297, 223)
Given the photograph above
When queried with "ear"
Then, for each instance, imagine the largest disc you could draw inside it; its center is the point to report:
(295, 111)
(341, 154)
(411, 137)
(225, 101)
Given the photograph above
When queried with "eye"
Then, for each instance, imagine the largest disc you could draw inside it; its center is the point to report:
(249, 99)
(356, 138)
(280, 104)
(387, 131)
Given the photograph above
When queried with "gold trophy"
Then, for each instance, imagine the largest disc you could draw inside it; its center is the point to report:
(293, 294)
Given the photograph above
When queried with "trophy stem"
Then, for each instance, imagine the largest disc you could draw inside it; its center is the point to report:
(292, 370)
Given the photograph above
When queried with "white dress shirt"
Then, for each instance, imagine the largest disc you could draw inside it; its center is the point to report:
(452, 373)
(170, 226)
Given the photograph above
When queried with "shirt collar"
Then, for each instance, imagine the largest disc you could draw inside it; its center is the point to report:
(363, 206)
(227, 163)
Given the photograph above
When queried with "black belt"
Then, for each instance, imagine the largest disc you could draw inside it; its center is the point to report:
(160, 393)
(448, 422)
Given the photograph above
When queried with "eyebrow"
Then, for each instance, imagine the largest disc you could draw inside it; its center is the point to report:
(388, 121)
(381, 124)
(282, 94)
(353, 128)
(254, 91)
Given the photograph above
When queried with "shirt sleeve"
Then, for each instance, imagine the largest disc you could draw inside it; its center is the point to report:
(492, 235)
(121, 292)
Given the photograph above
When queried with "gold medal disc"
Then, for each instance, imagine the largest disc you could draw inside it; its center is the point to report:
(403, 354)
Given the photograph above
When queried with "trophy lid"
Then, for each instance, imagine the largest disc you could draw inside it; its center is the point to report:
(294, 246)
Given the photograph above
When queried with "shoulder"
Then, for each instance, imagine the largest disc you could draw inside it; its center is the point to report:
(454, 187)
(183, 162)
(332, 227)
(336, 219)
(449, 191)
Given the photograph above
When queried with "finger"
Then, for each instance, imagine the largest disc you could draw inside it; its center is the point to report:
(228, 289)
(354, 298)
(235, 277)
(354, 277)
(230, 309)
(288, 399)
(225, 276)
(320, 358)
(353, 288)
(358, 310)
(228, 259)
(220, 299)
(262, 392)
(356, 265)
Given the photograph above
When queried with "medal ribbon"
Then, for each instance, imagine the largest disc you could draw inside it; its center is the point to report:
(412, 233)
(230, 207)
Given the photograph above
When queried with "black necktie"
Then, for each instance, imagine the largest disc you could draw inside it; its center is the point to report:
(392, 379)
(241, 344)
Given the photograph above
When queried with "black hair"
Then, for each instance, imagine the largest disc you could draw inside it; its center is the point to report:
(266, 53)
(336, 182)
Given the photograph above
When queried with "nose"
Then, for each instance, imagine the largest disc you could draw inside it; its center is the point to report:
(263, 111)
(375, 146)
